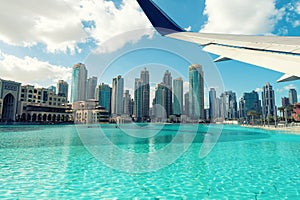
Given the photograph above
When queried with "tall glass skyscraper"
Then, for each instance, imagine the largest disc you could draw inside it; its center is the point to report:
(91, 86)
(293, 96)
(268, 101)
(104, 96)
(117, 96)
(138, 99)
(79, 79)
(178, 96)
(146, 94)
(62, 88)
(167, 81)
(212, 103)
(186, 104)
(252, 102)
(228, 105)
(196, 92)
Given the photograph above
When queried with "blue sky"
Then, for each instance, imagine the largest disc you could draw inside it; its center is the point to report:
(41, 45)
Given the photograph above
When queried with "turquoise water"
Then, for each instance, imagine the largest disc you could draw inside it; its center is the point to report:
(51, 162)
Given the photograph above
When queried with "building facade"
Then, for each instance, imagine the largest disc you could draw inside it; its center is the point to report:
(228, 105)
(167, 81)
(146, 94)
(9, 100)
(212, 103)
(63, 89)
(178, 96)
(43, 105)
(91, 87)
(127, 103)
(196, 92)
(293, 96)
(268, 101)
(117, 96)
(103, 96)
(79, 82)
(89, 112)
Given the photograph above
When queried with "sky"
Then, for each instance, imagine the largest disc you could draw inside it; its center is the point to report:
(40, 41)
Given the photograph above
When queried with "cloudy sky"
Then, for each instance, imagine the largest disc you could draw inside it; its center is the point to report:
(40, 40)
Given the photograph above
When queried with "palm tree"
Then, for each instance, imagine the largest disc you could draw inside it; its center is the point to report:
(252, 114)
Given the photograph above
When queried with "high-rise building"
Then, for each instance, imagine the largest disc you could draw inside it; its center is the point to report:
(167, 82)
(178, 96)
(138, 99)
(228, 105)
(142, 96)
(159, 102)
(242, 108)
(252, 102)
(91, 86)
(103, 93)
(78, 86)
(196, 92)
(212, 103)
(52, 88)
(285, 101)
(268, 101)
(146, 94)
(62, 88)
(127, 103)
(186, 104)
(117, 95)
(293, 96)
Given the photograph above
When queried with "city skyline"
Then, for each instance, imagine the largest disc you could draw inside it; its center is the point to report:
(42, 59)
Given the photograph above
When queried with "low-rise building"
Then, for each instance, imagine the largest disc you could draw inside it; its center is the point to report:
(89, 112)
(296, 114)
(43, 105)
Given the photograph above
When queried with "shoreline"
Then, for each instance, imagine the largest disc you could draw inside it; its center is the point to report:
(285, 129)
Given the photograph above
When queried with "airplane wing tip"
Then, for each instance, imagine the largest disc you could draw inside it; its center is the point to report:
(160, 20)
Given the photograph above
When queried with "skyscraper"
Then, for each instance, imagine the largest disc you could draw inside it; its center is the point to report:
(178, 96)
(127, 103)
(52, 88)
(167, 82)
(138, 99)
(104, 96)
(78, 87)
(196, 92)
(62, 88)
(186, 104)
(117, 95)
(252, 102)
(212, 103)
(159, 102)
(146, 94)
(293, 96)
(91, 86)
(228, 105)
(242, 108)
(142, 96)
(268, 101)
(285, 101)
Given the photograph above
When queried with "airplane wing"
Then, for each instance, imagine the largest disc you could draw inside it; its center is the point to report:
(276, 53)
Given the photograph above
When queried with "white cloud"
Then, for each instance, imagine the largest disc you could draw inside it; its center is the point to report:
(111, 22)
(32, 71)
(189, 28)
(258, 90)
(58, 24)
(241, 17)
(298, 8)
(52, 22)
(296, 23)
(290, 86)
